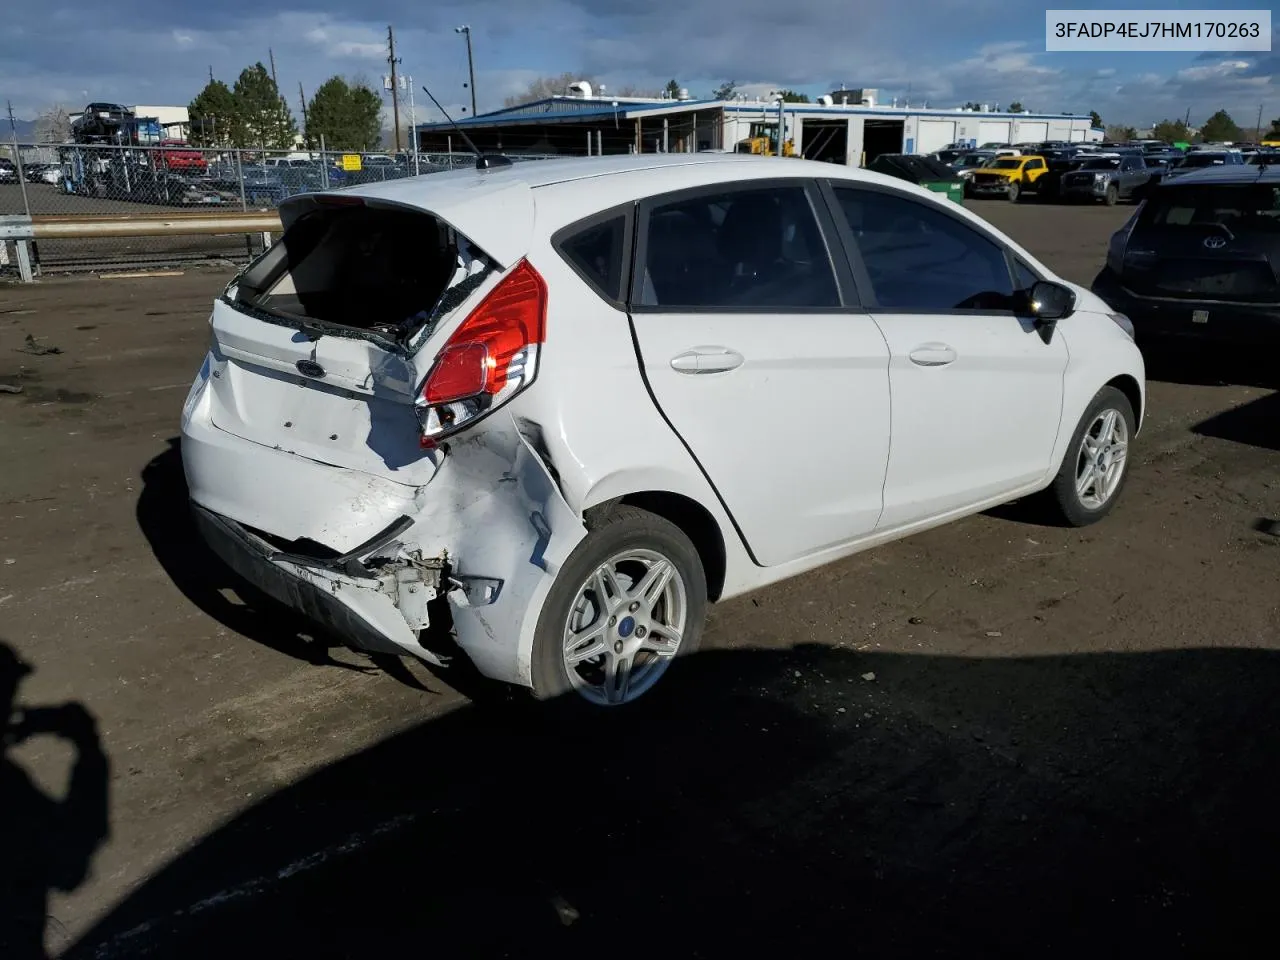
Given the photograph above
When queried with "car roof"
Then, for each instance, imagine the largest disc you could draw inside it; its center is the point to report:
(1235, 174)
(497, 208)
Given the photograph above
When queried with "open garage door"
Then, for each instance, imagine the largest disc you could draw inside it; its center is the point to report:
(993, 131)
(880, 136)
(1033, 131)
(934, 135)
(825, 140)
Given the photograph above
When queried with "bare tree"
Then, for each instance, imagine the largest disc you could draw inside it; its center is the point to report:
(54, 125)
(545, 87)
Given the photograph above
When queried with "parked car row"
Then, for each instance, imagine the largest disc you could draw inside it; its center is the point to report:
(1105, 173)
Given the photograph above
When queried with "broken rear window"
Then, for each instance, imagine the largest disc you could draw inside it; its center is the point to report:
(353, 269)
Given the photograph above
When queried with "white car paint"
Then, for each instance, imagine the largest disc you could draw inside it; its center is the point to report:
(817, 450)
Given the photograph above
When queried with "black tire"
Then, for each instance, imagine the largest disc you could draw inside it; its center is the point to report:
(1015, 191)
(609, 533)
(1066, 503)
(1112, 196)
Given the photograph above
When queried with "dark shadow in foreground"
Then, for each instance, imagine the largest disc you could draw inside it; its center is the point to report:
(46, 843)
(164, 516)
(772, 803)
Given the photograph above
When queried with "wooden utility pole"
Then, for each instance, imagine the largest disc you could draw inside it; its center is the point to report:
(394, 61)
(1257, 130)
(302, 98)
(211, 73)
(271, 55)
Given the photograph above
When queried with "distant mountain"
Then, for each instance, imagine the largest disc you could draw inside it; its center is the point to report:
(26, 129)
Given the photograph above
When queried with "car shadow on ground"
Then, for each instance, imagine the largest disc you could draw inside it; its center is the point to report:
(1211, 365)
(1256, 423)
(781, 802)
(165, 519)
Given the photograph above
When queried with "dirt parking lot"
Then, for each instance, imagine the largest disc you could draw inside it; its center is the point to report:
(997, 738)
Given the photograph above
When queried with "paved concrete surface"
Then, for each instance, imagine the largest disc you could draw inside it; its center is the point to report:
(996, 738)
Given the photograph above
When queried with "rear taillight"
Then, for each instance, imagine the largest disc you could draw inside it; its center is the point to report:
(490, 358)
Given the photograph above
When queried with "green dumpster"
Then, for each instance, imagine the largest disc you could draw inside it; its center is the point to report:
(928, 172)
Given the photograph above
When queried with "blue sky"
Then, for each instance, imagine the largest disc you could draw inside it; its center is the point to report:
(940, 51)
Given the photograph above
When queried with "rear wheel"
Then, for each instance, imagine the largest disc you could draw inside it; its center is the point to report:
(629, 600)
(1096, 465)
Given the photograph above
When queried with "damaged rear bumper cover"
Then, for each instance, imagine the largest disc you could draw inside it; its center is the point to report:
(377, 609)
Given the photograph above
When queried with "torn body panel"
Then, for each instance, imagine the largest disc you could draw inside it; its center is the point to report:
(489, 528)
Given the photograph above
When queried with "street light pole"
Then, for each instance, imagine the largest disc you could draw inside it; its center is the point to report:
(465, 30)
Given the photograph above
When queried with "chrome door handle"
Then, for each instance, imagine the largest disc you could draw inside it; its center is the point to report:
(707, 360)
(933, 355)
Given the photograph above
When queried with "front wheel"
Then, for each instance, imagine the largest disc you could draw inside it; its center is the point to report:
(1113, 195)
(629, 600)
(1014, 192)
(1096, 465)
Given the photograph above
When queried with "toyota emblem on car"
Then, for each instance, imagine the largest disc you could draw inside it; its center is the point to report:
(1215, 243)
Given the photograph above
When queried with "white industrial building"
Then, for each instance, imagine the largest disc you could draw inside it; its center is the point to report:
(859, 129)
(847, 126)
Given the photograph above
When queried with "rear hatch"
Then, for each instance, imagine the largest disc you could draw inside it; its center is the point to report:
(328, 335)
(1207, 241)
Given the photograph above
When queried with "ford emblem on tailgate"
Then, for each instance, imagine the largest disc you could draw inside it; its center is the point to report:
(310, 368)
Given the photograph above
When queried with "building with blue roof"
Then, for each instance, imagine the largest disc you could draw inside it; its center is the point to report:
(847, 126)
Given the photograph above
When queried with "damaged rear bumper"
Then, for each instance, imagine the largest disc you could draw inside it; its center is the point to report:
(378, 609)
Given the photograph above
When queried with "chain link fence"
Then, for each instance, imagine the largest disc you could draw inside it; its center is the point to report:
(77, 180)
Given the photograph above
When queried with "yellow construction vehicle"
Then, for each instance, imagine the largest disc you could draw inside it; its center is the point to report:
(764, 142)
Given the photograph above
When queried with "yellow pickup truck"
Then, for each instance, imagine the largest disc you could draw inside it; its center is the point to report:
(1011, 177)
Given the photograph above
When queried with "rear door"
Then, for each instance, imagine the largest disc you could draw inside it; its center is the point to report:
(976, 391)
(759, 357)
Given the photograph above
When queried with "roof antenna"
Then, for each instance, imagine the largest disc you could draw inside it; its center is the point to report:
(484, 161)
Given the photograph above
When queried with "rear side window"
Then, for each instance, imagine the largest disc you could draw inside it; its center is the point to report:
(756, 248)
(598, 253)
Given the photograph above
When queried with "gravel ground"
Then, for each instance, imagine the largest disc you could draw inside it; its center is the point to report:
(995, 738)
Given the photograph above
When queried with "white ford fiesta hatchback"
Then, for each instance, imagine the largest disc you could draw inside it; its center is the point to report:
(578, 400)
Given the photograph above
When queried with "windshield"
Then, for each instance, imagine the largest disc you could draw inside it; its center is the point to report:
(1241, 208)
(1006, 163)
(972, 160)
(1101, 163)
(1203, 160)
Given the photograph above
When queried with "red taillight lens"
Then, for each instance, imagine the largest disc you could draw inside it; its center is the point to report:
(461, 371)
(490, 357)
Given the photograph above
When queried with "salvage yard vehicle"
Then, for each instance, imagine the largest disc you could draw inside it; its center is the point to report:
(1010, 177)
(551, 405)
(1199, 259)
(925, 171)
(1109, 177)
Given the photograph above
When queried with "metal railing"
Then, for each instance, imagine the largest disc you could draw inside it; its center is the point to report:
(84, 182)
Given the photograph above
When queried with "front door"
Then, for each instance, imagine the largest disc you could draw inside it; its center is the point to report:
(977, 391)
(778, 386)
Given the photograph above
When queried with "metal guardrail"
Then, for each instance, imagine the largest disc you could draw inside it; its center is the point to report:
(21, 230)
(84, 182)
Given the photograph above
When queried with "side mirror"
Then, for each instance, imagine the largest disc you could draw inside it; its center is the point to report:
(1051, 302)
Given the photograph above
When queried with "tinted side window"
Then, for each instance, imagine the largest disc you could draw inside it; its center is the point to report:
(1034, 164)
(745, 248)
(919, 258)
(1026, 279)
(597, 252)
